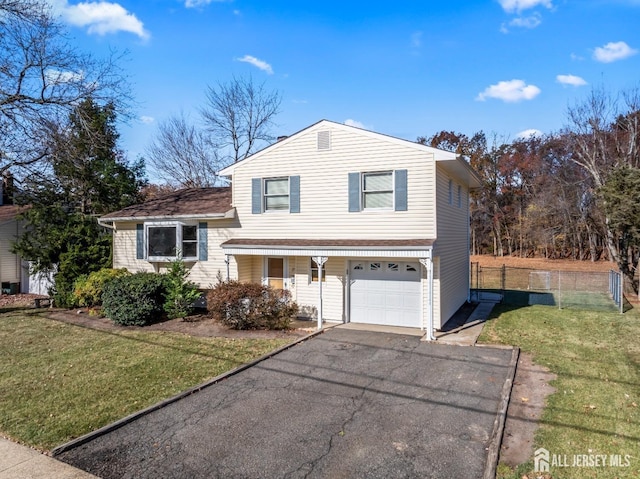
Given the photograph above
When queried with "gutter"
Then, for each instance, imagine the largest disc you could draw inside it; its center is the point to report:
(230, 214)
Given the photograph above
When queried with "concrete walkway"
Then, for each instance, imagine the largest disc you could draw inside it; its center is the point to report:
(467, 334)
(22, 462)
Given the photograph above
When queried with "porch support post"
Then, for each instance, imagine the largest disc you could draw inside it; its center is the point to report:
(428, 264)
(227, 260)
(320, 261)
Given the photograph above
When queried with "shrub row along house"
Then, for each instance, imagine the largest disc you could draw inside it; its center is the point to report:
(360, 227)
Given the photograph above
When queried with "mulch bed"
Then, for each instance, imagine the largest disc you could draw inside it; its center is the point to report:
(196, 325)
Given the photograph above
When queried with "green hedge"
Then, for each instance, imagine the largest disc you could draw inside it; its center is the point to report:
(135, 300)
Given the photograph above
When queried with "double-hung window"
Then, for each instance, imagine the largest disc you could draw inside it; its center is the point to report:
(276, 194)
(377, 190)
(170, 240)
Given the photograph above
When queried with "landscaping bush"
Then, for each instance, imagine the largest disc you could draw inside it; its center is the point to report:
(251, 306)
(88, 289)
(181, 293)
(135, 300)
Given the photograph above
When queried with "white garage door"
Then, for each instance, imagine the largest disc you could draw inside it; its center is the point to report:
(386, 292)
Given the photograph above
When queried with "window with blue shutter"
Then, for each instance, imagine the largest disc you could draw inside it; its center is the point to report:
(400, 191)
(203, 247)
(256, 196)
(140, 241)
(354, 192)
(294, 194)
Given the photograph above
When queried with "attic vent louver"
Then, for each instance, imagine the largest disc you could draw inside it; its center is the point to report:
(324, 140)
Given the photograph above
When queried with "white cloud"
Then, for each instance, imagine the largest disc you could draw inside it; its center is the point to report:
(355, 123)
(511, 6)
(101, 18)
(613, 51)
(532, 21)
(199, 3)
(572, 80)
(510, 91)
(530, 133)
(147, 120)
(261, 64)
(58, 76)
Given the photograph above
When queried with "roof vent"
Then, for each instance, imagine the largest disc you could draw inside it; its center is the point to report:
(324, 140)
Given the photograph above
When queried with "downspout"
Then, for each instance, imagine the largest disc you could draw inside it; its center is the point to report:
(430, 334)
(428, 265)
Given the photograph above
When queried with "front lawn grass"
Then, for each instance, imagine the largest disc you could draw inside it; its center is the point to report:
(59, 381)
(595, 409)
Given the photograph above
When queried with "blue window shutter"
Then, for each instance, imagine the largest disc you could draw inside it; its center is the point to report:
(294, 194)
(139, 241)
(256, 196)
(354, 192)
(203, 247)
(400, 190)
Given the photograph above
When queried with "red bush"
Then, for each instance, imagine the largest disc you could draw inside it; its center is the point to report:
(251, 306)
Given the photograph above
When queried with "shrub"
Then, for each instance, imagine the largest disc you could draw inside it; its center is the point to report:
(88, 289)
(181, 294)
(135, 300)
(251, 306)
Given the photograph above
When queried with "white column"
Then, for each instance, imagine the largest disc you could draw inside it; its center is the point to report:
(428, 264)
(227, 260)
(320, 261)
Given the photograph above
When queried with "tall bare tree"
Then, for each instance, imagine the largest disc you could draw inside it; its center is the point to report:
(181, 155)
(239, 116)
(604, 135)
(42, 78)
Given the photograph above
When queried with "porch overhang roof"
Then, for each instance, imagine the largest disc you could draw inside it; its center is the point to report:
(405, 248)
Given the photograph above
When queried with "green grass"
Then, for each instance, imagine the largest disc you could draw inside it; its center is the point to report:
(595, 409)
(59, 381)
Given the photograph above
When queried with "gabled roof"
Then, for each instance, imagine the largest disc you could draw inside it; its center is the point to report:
(185, 203)
(450, 161)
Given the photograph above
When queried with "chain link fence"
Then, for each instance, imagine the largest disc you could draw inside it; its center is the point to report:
(596, 291)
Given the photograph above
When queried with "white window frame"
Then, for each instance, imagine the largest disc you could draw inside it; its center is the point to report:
(265, 195)
(178, 225)
(364, 191)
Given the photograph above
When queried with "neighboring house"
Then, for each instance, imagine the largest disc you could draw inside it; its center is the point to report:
(383, 223)
(14, 275)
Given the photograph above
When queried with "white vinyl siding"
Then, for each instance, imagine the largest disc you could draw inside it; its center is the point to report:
(451, 249)
(324, 189)
(203, 273)
(10, 264)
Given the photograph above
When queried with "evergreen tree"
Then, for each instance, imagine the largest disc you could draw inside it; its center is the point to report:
(87, 176)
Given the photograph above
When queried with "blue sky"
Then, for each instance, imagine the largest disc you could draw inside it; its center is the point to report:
(403, 68)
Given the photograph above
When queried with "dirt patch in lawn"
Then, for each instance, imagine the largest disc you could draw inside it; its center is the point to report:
(528, 396)
(198, 325)
(543, 263)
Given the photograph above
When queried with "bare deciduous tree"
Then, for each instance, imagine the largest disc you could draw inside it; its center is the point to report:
(239, 116)
(604, 134)
(181, 155)
(42, 78)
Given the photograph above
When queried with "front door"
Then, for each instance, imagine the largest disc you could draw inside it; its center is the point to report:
(275, 272)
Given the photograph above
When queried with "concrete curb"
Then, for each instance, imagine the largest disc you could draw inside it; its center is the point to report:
(498, 425)
(132, 417)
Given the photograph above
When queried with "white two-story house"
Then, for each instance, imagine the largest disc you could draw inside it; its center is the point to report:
(360, 227)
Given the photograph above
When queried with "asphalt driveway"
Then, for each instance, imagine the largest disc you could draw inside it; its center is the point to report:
(343, 404)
